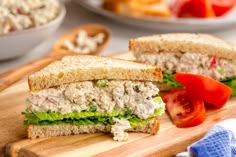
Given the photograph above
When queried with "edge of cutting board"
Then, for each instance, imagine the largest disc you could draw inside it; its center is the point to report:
(169, 141)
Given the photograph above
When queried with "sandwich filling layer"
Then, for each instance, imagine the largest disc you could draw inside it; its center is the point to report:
(132, 103)
(196, 63)
(220, 69)
(101, 96)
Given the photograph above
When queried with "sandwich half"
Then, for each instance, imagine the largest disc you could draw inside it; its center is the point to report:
(88, 94)
(190, 53)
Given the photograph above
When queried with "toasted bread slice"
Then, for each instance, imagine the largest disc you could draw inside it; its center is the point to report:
(183, 42)
(37, 131)
(86, 68)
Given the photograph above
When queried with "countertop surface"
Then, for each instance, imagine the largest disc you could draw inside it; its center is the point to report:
(76, 16)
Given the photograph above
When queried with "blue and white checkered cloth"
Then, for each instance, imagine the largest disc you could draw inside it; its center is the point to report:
(220, 141)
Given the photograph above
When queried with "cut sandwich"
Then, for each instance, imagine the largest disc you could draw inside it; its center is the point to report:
(88, 94)
(190, 53)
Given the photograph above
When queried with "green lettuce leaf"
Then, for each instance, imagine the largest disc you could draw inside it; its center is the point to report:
(170, 80)
(85, 118)
(232, 84)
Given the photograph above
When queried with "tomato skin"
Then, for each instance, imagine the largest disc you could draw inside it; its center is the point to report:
(221, 7)
(207, 89)
(184, 109)
(193, 8)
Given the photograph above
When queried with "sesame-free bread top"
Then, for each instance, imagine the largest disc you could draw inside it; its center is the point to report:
(85, 67)
(183, 42)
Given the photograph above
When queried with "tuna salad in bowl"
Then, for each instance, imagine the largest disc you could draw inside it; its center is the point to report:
(26, 23)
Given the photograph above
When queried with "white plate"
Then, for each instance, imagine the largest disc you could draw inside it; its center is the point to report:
(164, 24)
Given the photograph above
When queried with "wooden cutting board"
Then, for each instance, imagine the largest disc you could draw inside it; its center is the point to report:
(169, 141)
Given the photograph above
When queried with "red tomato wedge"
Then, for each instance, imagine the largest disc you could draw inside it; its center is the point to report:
(184, 109)
(193, 8)
(205, 88)
(221, 7)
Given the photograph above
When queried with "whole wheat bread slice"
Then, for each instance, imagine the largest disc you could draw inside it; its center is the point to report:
(183, 42)
(37, 131)
(85, 67)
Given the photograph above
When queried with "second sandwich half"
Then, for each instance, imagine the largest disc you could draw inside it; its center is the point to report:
(87, 94)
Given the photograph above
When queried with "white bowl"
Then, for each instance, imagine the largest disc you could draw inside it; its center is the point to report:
(16, 44)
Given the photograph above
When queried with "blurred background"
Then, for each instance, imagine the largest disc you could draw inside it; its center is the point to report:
(122, 30)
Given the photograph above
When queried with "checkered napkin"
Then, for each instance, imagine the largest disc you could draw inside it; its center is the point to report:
(220, 141)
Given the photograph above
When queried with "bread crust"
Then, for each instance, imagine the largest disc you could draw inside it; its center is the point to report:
(64, 129)
(86, 68)
(183, 42)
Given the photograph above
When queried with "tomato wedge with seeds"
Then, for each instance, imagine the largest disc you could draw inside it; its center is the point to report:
(205, 88)
(184, 109)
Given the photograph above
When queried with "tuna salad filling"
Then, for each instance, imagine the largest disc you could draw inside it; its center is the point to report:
(101, 96)
(95, 102)
(196, 63)
(220, 69)
(16, 15)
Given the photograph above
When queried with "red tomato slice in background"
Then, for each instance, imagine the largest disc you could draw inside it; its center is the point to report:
(193, 8)
(221, 7)
(207, 89)
(184, 109)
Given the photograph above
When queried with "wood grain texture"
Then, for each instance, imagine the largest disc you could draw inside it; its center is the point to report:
(169, 141)
(91, 29)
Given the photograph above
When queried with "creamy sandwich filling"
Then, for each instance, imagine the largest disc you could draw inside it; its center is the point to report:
(95, 102)
(220, 69)
(196, 63)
